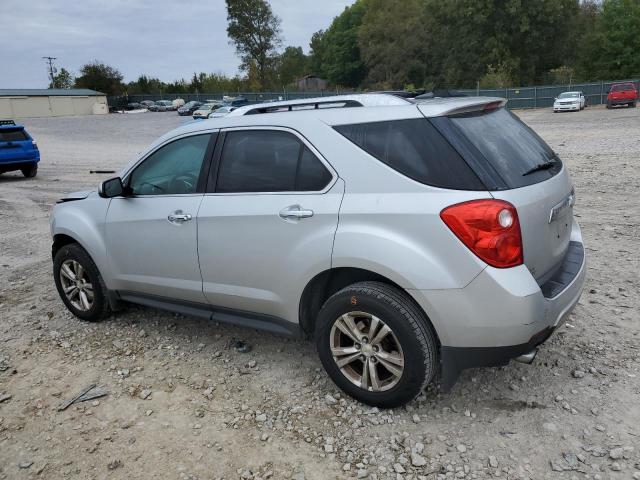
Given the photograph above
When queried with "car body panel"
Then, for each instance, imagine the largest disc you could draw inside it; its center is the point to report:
(166, 266)
(622, 94)
(254, 260)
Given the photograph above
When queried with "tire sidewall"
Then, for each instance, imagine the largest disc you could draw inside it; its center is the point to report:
(414, 373)
(75, 252)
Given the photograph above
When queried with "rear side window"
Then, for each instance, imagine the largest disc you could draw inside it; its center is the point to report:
(12, 135)
(509, 146)
(269, 161)
(415, 149)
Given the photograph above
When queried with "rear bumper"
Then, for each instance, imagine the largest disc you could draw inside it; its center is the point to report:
(17, 164)
(621, 101)
(502, 313)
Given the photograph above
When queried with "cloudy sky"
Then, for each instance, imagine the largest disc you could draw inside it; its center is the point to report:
(168, 39)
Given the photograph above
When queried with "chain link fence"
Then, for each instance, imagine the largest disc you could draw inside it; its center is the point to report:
(523, 97)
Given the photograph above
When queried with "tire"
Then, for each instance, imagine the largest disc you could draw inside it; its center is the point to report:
(608, 105)
(99, 305)
(632, 105)
(30, 172)
(409, 329)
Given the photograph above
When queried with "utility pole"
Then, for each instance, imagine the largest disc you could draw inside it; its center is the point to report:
(51, 70)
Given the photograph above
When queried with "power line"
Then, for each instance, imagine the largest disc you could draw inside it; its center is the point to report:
(51, 70)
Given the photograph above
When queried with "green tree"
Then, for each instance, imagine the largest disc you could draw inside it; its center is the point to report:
(292, 64)
(317, 48)
(62, 79)
(394, 43)
(255, 32)
(341, 60)
(100, 77)
(611, 49)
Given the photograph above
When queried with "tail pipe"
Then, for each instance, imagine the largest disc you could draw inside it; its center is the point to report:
(527, 357)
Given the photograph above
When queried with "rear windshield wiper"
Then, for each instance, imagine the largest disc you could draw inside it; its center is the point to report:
(540, 166)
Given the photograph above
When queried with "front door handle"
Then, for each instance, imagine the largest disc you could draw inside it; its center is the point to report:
(295, 212)
(179, 217)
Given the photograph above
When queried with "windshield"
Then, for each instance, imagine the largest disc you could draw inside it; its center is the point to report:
(223, 110)
(569, 95)
(509, 146)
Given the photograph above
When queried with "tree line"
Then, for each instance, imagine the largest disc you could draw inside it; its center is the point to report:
(396, 44)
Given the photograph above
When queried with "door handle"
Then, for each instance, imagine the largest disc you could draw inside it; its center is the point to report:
(295, 212)
(179, 217)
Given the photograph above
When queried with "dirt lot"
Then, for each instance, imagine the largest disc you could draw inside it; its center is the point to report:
(211, 412)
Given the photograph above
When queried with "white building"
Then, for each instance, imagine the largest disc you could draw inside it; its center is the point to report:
(53, 102)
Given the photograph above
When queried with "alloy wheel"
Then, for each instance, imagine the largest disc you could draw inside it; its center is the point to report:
(366, 351)
(76, 285)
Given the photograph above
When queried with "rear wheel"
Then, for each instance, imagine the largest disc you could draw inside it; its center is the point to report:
(79, 283)
(30, 172)
(376, 344)
(632, 105)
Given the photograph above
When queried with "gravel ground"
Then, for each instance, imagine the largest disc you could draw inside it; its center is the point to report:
(184, 404)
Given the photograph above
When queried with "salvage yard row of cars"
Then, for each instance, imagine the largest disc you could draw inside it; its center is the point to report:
(619, 94)
(194, 108)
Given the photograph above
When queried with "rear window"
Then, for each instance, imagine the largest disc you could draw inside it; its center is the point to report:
(416, 149)
(12, 135)
(623, 87)
(509, 147)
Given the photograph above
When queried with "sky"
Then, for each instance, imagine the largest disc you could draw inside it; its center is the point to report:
(167, 39)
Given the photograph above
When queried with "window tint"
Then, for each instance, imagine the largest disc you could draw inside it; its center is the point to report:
(508, 145)
(268, 161)
(12, 135)
(173, 169)
(416, 149)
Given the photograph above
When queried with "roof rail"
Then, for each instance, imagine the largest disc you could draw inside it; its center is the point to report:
(7, 122)
(314, 105)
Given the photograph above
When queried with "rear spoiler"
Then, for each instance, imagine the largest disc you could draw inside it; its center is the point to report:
(7, 122)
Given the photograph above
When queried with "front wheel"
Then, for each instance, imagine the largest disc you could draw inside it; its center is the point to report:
(376, 344)
(30, 172)
(79, 283)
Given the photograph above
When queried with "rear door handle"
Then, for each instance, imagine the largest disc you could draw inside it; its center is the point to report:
(295, 212)
(179, 217)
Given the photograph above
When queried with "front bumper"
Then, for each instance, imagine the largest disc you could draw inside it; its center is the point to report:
(566, 108)
(502, 313)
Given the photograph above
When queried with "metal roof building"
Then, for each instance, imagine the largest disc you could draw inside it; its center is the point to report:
(54, 102)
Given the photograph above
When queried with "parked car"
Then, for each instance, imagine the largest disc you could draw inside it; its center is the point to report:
(18, 150)
(569, 101)
(221, 112)
(235, 102)
(203, 111)
(622, 94)
(147, 103)
(188, 108)
(404, 240)
(162, 106)
(134, 106)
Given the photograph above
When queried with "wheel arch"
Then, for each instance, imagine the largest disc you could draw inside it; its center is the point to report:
(330, 281)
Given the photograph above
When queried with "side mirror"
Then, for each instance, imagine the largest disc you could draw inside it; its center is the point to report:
(111, 188)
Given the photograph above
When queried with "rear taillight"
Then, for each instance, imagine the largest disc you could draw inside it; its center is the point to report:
(489, 228)
(35, 145)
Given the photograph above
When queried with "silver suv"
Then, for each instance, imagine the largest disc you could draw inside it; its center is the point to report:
(407, 239)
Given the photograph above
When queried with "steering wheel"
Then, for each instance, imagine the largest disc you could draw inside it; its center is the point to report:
(185, 183)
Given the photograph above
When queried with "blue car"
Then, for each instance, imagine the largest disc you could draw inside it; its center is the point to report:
(18, 151)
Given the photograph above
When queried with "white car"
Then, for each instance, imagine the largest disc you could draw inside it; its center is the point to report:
(221, 112)
(569, 101)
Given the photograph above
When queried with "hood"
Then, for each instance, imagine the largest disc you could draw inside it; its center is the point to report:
(70, 197)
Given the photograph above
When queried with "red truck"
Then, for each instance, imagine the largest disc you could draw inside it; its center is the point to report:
(622, 94)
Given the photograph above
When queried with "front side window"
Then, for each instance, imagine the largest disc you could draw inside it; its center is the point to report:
(269, 161)
(171, 170)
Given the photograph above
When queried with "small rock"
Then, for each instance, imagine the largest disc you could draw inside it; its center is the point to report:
(461, 448)
(363, 473)
(329, 400)
(25, 464)
(261, 418)
(616, 467)
(418, 460)
(616, 453)
(398, 468)
(144, 394)
(578, 374)
(114, 464)
(416, 418)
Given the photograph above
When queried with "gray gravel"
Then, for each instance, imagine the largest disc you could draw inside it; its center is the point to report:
(183, 403)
